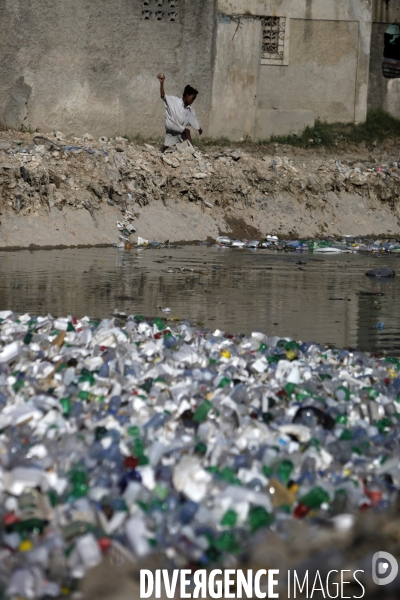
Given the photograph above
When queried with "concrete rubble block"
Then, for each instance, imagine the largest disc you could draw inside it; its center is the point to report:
(172, 162)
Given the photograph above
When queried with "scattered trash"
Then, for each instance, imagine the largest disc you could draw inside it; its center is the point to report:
(208, 204)
(57, 144)
(142, 242)
(328, 245)
(139, 174)
(185, 147)
(126, 226)
(224, 241)
(380, 326)
(129, 434)
(239, 243)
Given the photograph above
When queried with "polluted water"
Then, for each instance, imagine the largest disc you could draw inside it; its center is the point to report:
(325, 298)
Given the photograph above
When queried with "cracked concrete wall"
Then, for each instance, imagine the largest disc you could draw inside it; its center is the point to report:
(90, 65)
(321, 74)
(236, 78)
(325, 69)
(15, 111)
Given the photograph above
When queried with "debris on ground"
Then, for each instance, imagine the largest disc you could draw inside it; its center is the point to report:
(54, 173)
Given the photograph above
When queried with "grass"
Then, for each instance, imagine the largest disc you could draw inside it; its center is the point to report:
(378, 126)
(205, 142)
(137, 139)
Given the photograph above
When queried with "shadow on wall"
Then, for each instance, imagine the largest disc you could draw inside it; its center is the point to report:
(16, 112)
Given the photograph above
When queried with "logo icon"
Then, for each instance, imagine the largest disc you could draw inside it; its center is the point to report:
(384, 568)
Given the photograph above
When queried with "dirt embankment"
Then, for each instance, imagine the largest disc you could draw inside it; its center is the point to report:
(75, 192)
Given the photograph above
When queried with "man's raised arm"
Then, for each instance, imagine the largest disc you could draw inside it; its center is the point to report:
(161, 78)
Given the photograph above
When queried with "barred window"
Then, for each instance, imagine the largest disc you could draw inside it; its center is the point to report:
(160, 10)
(273, 43)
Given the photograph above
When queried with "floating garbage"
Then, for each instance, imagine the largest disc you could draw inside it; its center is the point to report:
(129, 434)
(324, 246)
(223, 240)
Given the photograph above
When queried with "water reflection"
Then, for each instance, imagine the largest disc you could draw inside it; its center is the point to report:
(308, 297)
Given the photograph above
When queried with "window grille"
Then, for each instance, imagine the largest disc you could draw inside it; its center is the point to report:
(273, 44)
(160, 10)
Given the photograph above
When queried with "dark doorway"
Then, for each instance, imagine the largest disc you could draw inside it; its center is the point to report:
(391, 52)
(392, 42)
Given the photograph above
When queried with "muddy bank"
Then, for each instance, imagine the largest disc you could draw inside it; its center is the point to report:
(73, 192)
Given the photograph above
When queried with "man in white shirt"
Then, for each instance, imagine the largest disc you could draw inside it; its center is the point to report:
(179, 115)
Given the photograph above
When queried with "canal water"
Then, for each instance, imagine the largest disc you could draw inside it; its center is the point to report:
(326, 298)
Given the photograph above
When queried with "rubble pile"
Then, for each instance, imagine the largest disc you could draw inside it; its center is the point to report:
(132, 435)
(84, 173)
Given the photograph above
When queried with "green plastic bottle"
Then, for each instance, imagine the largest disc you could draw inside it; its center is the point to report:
(259, 517)
(315, 497)
(78, 478)
(202, 411)
(229, 519)
(284, 470)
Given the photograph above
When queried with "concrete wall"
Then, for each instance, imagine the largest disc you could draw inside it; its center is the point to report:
(236, 76)
(91, 65)
(325, 74)
(321, 74)
(385, 11)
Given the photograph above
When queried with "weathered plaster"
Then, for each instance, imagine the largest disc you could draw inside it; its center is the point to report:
(282, 122)
(91, 65)
(233, 109)
(327, 61)
(317, 79)
(325, 10)
(385, 12)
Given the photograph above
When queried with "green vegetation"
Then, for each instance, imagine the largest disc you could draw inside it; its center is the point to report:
(137, 139)
(378, 126)
(29, 129)
(221, 142)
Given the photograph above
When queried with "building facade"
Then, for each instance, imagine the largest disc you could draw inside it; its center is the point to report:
(263, 67)
(283, 63)
(90, 65)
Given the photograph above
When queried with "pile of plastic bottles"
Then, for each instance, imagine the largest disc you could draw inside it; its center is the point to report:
(126, 436)
(328, 245)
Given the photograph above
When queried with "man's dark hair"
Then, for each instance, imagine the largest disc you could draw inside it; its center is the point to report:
(190, 91)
